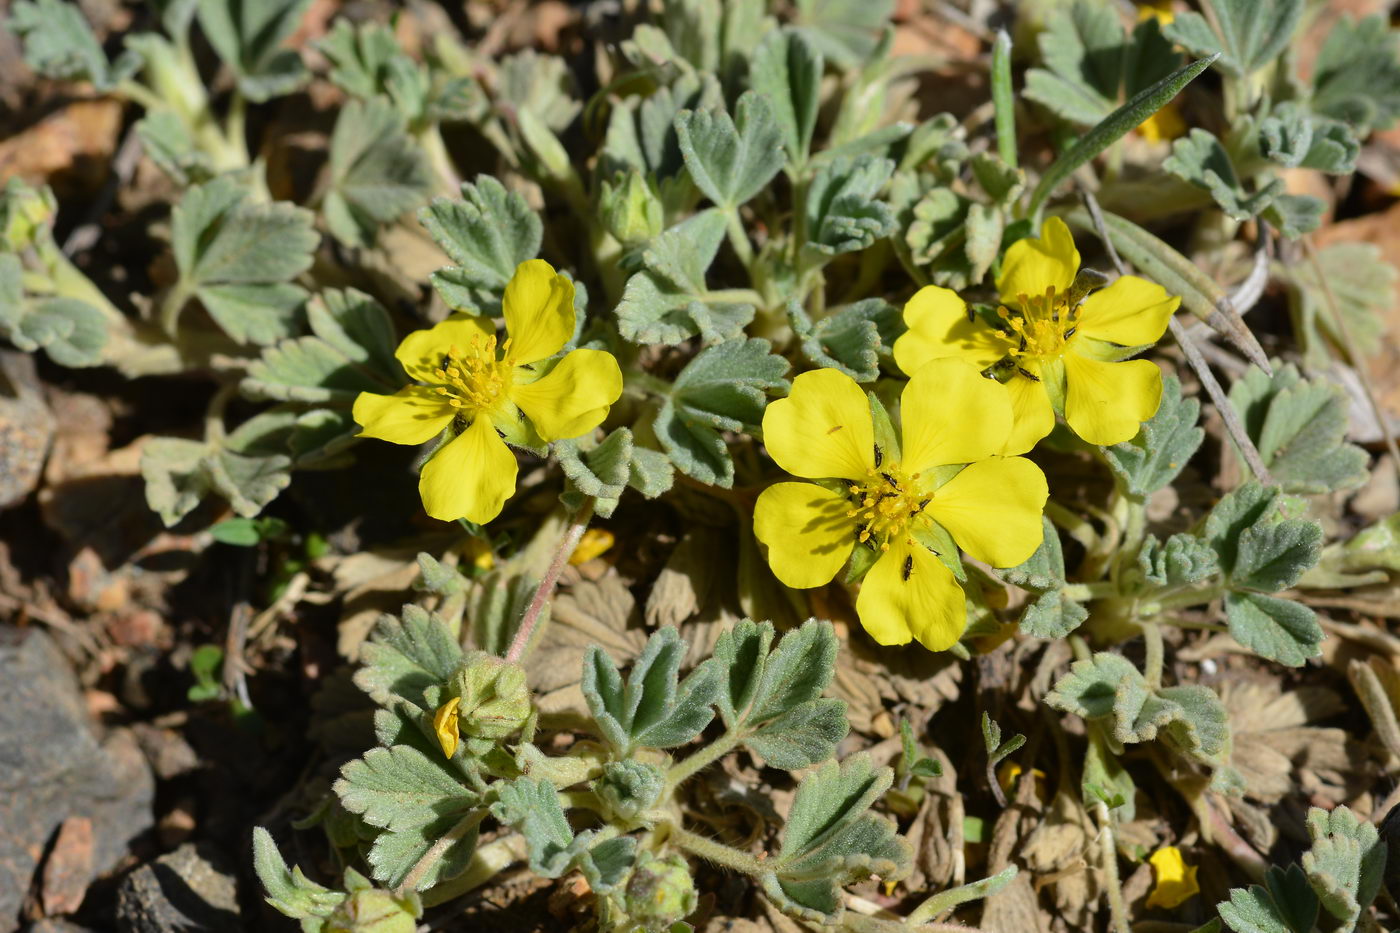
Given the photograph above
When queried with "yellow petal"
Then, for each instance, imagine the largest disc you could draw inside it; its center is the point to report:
(938, 327)
(595, 542)
(1033, 265)
(445, 726)
(806, 531)
(573, 397)
(1031, 411)
(1176, 881)
(412, 415)
(909, 593)
(951, 413)
(422, 351)
(1131, 312)
(992, 509)
(471, 477)
(1105, 403)
(539, 311)
(822, 429)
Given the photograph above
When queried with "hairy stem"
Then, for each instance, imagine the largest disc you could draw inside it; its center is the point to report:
(439, 848)
(716, 852)
(1152, 635)
(488, 862)
(682, 770)
(739, 239)
(533, 612)
(1108, 852)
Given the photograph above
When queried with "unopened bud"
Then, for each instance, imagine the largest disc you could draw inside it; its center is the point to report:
(660, 892)
(630, 209)
(24, 211)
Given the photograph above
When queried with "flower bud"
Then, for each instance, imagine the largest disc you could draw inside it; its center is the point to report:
(493, 700)
(660, 892)
(630, 209)
(24, 210)
(370, 910)
(628, 788)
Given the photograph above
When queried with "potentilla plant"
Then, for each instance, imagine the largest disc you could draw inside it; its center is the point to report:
(749, 265)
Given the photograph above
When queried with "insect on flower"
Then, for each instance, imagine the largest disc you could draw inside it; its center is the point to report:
(943, 481)
(1055, 355)
(488, 394)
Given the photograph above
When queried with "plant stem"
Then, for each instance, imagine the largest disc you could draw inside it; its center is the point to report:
(439, 848)
(1003, 98)
(488, 862)
(708, 755)
(740, 241)
(1083, 592)
(716, 852)
(1108, 852)
(1152, 635)
(533, 612)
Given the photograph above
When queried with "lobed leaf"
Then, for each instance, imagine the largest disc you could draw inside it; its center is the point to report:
(1162, 447)
(486, 234)
(378, 172)
(731, 160)
(406, 655)
(854, 339)
(401, 788)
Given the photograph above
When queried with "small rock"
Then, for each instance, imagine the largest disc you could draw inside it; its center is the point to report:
(26, 427)
(69, 867)
(53, 767)
(54, 925)
(187, 889)
(167, 751)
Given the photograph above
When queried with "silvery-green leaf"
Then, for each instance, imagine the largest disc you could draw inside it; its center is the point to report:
(854, 339)
(731, 160)
(1345, 864)
(59, 43)
(394, 854)
(405, 656)
(843, 212)
(1201, 159)
(1356, 77)
(401, 788)
(1052, 614)
(1043, 570)
(1283, 904)
(724, 388)
(845, 31)
(1278, 629)
(167, 141)
(1294, 215)
(1249, 34)
(540, 84)
(179, 474)
(1362, 283)
(290, 892)
(487, 234)
(72, 332)
(1163, 445)
(652, 708)
(1292, 137)
(377, 170)
(249, 37)
(788, 69)
(1300, 428)
(1180, 560)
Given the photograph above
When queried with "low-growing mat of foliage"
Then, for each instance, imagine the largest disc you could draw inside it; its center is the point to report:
(702, 465)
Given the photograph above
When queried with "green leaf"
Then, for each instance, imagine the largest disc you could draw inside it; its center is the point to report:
(406, 656)
(731, 160)
(1292, 137)
(1299, 427)
(1363, 284)
(59, 43)
(1113, 127)
(1345, 864)
(668, 301)
(1247, 34)
(290, 892)
(1161, 449)
(360, 55)
(1278, 629)
(487, 234)
(1201, 159)
(1295, 214)
(1283, 904)
(378, 172)
(533, 808)
(166, 139)
(400, 788)
(179, 474)
(237, 256)
(949, 898)
(1052, 614)
(1043, 570)
(72, 332)
(991, 737)
(652, 708)
(350, 351)
(845, 31)
(249, 37)
(831, 838)
(1273, 556)
(788, 69)
(628, 788)
(843, 214)
(642, 133)
(394, 854)
(854, 339)
(911, 761)
(1356, 77)
(1180, 560)
(722, 389)
(803, 736)
(1090, 61)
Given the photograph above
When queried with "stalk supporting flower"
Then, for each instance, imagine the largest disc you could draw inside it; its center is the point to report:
(900, 507)
(1056, 354)
(486, 395)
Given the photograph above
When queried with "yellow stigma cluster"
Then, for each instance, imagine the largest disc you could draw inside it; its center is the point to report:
(1043, 325)
(474, 380)
(885, 503)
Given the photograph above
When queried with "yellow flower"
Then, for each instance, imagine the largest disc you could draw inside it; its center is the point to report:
(445, 724)
(1054, 357)
(1176, 881)
(486, 393)
(947, 485)
(1166, 123)
(595, 543)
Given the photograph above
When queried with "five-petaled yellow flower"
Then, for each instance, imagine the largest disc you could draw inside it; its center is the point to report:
(1059, 357)
(1176, 881)
(946, 477)
(491, 394)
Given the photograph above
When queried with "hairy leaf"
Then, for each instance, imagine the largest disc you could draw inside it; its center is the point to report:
(1278, 629)
(487, 234)
(406, 655)
(854, 339)
(788, 69)
(249, 36)
(843, 214)
(400, 788)
(1248, 34)
(59, 43)
(378, 172)
(1356, 77)
(731, 160)
(652, 708)
(1345, 864)
(289, 892)
(1161, 449)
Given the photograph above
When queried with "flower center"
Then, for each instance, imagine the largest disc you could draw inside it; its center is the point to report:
(1043, 324)
(473, 379)
(885, 504)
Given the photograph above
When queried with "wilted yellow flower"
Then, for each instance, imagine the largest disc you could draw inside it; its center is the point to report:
(445, 725)
(489, 394)
(595, 542)
(1176, 881)
(945, 484)
(1055, 357)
